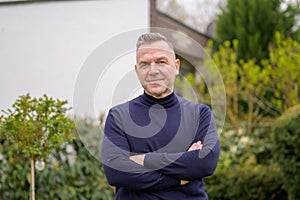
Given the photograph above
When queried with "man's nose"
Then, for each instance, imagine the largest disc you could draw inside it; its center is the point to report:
(153, 68)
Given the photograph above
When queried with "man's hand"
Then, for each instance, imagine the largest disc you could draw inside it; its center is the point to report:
(184, 182)
(139, 159)
(195, 146)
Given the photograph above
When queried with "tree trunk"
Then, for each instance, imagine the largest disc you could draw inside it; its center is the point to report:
(32, 189)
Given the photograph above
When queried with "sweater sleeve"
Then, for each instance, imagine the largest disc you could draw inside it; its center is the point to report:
(195, 164)
(120, 171)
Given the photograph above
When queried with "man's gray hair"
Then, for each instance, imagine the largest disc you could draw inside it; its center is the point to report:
(149, 38)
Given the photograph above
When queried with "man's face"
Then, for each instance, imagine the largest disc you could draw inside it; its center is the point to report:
(157, 68)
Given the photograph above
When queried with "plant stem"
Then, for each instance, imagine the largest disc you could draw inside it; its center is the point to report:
(32, 192)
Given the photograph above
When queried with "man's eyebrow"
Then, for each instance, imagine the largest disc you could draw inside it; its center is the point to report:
(156, 59)
(161, 58)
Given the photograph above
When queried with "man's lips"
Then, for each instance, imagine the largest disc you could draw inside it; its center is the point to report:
(154, 81)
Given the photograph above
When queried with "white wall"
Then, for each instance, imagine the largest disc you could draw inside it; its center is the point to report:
(44, 45)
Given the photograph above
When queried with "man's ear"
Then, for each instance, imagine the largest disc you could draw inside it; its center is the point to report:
(177, 66)
(135, 67)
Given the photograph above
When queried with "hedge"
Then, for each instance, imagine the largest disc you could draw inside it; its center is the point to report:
(253, 183)
(286, 137)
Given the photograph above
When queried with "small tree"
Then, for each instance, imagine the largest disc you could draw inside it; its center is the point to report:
(36, 127)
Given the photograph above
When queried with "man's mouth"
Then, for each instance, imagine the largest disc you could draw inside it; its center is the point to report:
(154, 81)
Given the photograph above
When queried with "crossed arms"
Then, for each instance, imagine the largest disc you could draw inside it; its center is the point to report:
(139, 159)
(157, 171)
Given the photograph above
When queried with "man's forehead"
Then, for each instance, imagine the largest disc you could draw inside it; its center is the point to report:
(155, 46)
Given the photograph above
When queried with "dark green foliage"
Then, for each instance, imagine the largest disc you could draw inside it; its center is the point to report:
(287, 149)
(253, 23)
(14, 173)
(247, 183)
(70, 173)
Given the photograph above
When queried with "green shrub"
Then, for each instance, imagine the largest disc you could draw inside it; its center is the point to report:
(252, 183)
(246, 168)
(286, 137)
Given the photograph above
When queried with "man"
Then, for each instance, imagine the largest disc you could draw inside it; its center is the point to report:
(159, 145)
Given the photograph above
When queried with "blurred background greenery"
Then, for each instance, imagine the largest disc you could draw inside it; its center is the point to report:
(257, 50)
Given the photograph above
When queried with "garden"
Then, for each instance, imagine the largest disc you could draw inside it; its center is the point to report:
(42, 155)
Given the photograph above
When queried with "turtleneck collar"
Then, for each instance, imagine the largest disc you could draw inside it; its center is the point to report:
(166, 102)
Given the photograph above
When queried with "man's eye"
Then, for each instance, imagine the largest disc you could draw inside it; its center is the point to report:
(162, 62)
(144, 65)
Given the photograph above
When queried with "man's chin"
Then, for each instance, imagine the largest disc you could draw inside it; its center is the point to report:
(159, 92)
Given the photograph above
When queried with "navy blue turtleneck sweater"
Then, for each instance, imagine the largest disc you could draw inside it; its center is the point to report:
(163, 129)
